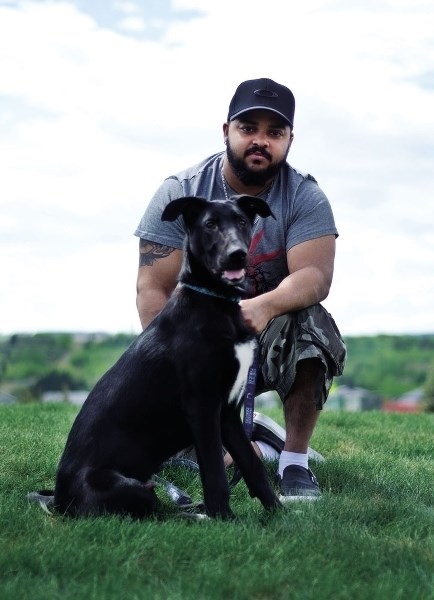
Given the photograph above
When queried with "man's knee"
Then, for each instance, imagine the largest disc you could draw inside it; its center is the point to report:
(308, 338)
(309, 381)
(310, 370)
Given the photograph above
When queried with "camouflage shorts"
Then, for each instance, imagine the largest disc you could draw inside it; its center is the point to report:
(308, 333)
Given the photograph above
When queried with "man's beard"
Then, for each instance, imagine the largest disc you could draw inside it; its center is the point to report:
(248, 176)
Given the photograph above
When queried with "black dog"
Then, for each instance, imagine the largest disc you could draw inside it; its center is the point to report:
(178, 384)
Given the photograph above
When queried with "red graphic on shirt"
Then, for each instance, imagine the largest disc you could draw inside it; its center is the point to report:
(255, 273)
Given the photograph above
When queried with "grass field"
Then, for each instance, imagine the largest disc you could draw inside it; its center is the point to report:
(371, 536)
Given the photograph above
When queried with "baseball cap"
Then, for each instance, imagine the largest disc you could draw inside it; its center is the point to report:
(263, 93)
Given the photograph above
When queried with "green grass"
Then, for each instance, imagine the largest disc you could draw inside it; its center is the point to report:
(370, 537)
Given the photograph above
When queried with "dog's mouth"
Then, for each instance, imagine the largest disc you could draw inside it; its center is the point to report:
(234, 276)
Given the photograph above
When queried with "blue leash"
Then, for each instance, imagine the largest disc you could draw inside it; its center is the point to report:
(208, 292)
(249, 393)
(250, 389)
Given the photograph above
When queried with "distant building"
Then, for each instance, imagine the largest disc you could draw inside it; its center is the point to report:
(410, 402)
(85, 337)
(352, 399)
(72, 396)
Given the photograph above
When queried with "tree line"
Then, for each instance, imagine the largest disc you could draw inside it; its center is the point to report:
(389, 365)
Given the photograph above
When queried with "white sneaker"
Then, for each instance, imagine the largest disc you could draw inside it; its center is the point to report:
(268, 431)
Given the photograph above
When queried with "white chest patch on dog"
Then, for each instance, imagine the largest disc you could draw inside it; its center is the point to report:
(244, 355)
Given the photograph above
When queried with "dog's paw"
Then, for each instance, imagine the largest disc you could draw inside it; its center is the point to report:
(226, 515)
(195, 516)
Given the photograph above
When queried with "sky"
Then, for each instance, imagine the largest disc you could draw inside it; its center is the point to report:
(100, 100)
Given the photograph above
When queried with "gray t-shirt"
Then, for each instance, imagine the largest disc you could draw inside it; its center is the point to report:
(301, 209)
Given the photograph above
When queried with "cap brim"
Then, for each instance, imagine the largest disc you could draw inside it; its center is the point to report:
(241, 112)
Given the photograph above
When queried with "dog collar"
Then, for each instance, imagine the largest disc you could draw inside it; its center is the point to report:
(207, 292)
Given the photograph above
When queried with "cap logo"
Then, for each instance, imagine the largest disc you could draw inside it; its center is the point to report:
(266, 93)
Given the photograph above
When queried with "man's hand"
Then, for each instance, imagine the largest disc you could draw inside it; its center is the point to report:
(310, 265)
(228, 460)
(255, 312)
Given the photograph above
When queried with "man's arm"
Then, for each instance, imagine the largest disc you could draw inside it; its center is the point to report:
(310, 265)
(159, 268)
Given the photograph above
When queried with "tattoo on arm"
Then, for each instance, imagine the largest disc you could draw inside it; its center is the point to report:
(151, 252)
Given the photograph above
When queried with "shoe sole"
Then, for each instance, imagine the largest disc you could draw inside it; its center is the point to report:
(289, 499)
(278, 431)
(44, 499)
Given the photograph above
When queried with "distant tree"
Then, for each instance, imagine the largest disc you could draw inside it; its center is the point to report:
(428, 395)
(57, 380)
(31, 356)
(25, 395)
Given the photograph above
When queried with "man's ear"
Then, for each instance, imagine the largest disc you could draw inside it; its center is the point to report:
(188, 206)
(225, 132)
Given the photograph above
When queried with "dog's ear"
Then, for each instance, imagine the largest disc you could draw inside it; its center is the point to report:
(252, 206)
(189, 207)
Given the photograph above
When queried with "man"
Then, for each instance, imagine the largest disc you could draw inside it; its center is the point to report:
(290, 270)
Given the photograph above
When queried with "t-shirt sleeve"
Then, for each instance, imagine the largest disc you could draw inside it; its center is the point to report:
(152, 228)
(312, 215)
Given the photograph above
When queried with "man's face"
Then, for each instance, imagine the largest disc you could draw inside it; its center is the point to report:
(258, 143)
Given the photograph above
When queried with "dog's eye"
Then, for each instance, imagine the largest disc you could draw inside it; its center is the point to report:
(211, 224)
(242, 222)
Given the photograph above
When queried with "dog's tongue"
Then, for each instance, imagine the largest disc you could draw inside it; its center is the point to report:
(233, 275)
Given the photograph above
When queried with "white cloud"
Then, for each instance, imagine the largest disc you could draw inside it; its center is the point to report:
(135, 24)
(128, 8)
(95, 118)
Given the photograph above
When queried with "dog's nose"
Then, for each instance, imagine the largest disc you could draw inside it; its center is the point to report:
(237, 254)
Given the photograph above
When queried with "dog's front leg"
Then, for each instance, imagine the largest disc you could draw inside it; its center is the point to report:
(207, 441)
(250, 465)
